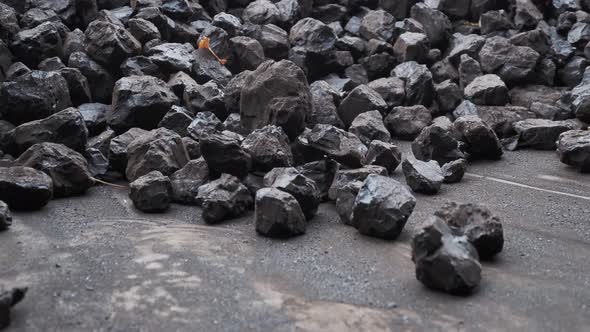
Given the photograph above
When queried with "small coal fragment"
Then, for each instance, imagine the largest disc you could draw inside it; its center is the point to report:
(118, 145)
(224, 154)
(382, 207)
(573, 148)
(369, 126)
(304, 189)
(487, 90)
(278, 214)
(178, 120)
(444, 261)
(322, 172)
(342, 146)
(360, 100)
(224, 198)
(423, 177)
(453, 171)
(151, 192)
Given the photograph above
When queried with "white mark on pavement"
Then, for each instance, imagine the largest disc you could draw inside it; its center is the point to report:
(527, 186)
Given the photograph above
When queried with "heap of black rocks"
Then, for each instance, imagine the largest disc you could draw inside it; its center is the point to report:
(280, 105)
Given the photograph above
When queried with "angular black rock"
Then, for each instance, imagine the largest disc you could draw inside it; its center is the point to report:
(187, 180)
(444, 261)
(304, 189)
(278, 214)
(453, 171)
(322, 172)
(419, 83)
(383, 154)
(482, 228)
(110, 44)
(177, 119)
(66, 127)
(224, 154)
(34, 45)
(99, 79)
(423, 177)
(33, 96)
(269, 148)
(206, 68)
(172, 57)
(158, 150)
(382, 207)
(5, 217)
(140, 101)
(247, 54)
(324, 100)
(541, 134)
(487, 90)
(573, 148)
(224, 198)
(345, 201)
(481, 142)
(360, 100)
(118, 145)
(514, 64)
(392, 89)
(25, 188)
(151, 192)
(369, 126)
(407, 122)
(276, 93)
(67, 168)
(342, 146)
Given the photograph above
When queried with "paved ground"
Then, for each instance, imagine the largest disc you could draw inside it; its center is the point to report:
(93, 263)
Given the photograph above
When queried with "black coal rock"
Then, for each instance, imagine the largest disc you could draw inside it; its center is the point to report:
(187, 180)
(5, 216)
(224, 154)
(223, 199)
(383, 154)
(340, 145)
(407, 122)
(481, 142)
(453, 171)
(8, 299)
(304, 189)
(110, 44)
(360, 100)
(151, 192)
(573, 148)
(423, 177)
(278, 214)
(269, 148)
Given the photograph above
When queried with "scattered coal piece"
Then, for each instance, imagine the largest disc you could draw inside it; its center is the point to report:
(444, 261)
(187, 180)
(342, 146)
(304, 189)
(269, 148)
(382, 207)
(453, 171)
(481, 142)
(223, 199)
(407, 122)
(278, 214)
(151, 192)
(573, 148)
(541, 134)
(25, 188)
(383, 154)
(224, 154)
(423, 177)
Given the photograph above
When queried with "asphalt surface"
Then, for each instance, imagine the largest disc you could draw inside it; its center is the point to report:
(94, 263)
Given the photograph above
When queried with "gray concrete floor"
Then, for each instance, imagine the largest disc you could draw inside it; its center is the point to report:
(93, 263)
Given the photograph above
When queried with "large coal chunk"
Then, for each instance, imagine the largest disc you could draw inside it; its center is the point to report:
(444, 261)
(369, 126)
(39, 43)
(118, 148)
(247, 54)
(322, 172)
(151, 192)
(172, 57)
(304, 189)
(9, 26)
(8, 299)
(158, 150)
(33, 96)
(437, 25)
(437, 142)
(382, 207)
(423, 177)
(345, 176)
(573, 148)
(324, 100)
(269, 148)
(378, 24)
(340, 145)
(482, 228)
(541, 134)
(203, 124)
(224, 154)
(223, 199)
(408, 122)
(78, 85)
(312, 35)
(66, 127)
(383, 154)
(278, 214)
(208, 97)
(580, 96)
(360, 100)
(187, 180)
(276, 93)
(5, 216)
(110, 44)
(514, 64)
(140, 101)
(67, 168)
(487, 90)
(100, 81)
(481, 142)
(392, 89)
(25, 188)
(419, 83)
(177, 119)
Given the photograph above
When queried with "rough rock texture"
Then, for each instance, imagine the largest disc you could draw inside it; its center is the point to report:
(453, 171)
(573, 148)
(67, 168)
(487, 90)
(8, 299)
(383, 154)
(187, 180)
(278, 214)
(482, 228)
(224, 154)
(304, 189)
(151, 192)
(360, 100)
(407, 122)
(444, 261)
(223, 199)
(269, 148)
(541, 134)
(118, 145)
(158, 150)
(436, 142)
(423, 177)
(276, 93)
(481, 142)
(340, 145)
(382, 207)
(25, 188)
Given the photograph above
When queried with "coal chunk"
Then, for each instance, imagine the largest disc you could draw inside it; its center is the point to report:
(407, 122)
(437, 142)
(187, 180)
(487, 90)
(177, 119)
(208, 97)
(100, 81)
(419, 83)
(453, 171)
(322, 172)
(151, 192)
(34, 45)
(482, 228)
(444, 261)
(514, 64)
(25, 188)
(573, 148)
(67, 168)
(278, 214)
(224, 198)
(110, 44)
(33, 96)
(392, 89)
(324, 101)
(118, 148)
(382, 207)
(340, 145)
(304, 189)
(224, 154)
(140, 101)
(360, 100)
(269, 148)
(541, 134)
(276, 93)
(422, 176)
(66, 127)
(383, 154)
(158, 150)
(369, 126)
(481, 142)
